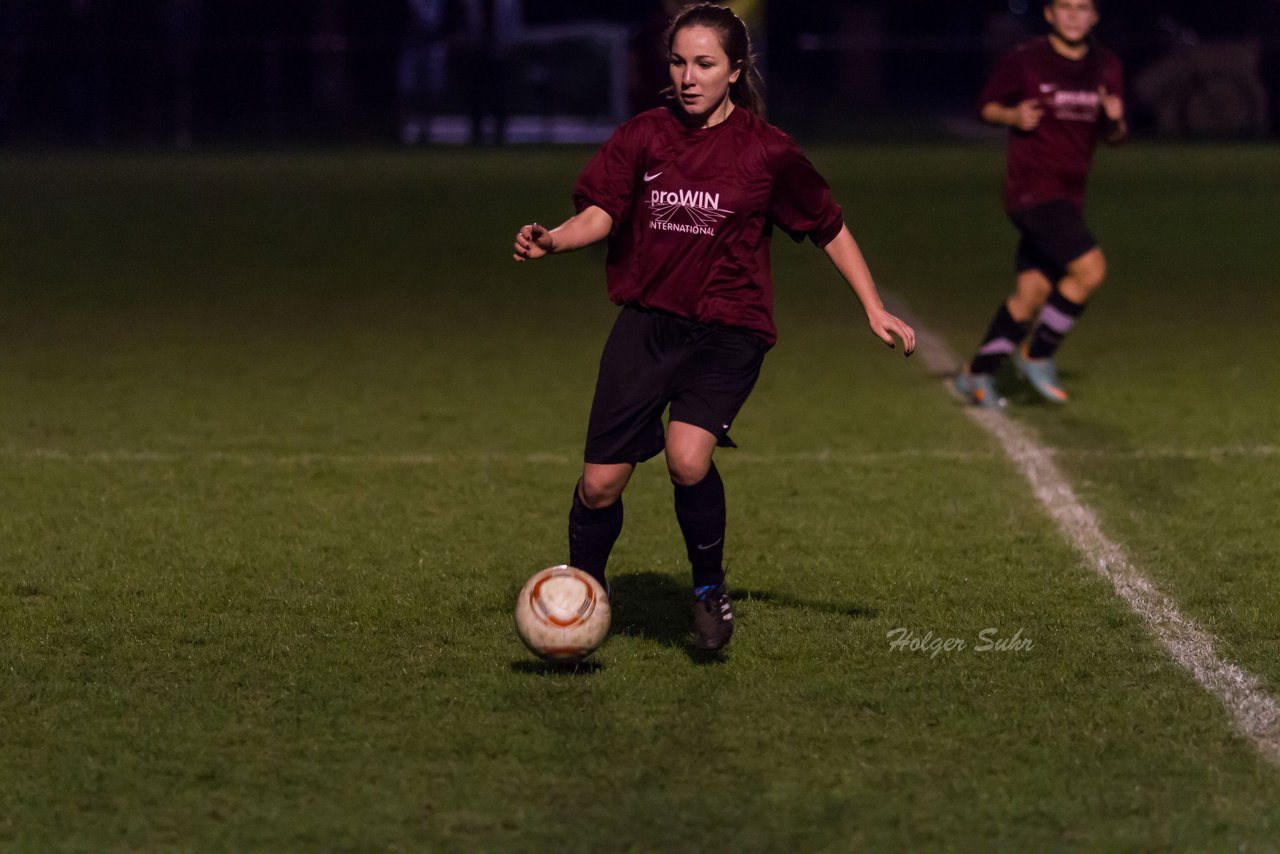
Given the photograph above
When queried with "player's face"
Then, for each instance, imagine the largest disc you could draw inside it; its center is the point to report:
(1072, 20)
(700, 72)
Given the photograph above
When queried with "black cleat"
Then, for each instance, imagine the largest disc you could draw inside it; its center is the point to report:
(713, 618)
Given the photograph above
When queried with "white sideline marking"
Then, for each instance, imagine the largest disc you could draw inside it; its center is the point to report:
(1255, 713)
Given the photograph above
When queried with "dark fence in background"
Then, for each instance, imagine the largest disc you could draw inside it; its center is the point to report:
(217, 72)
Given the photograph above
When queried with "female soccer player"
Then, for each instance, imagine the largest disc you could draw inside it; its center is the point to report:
(1058, 94)
(688, 196)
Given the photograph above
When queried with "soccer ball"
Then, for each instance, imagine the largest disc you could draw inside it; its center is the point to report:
(562, 614)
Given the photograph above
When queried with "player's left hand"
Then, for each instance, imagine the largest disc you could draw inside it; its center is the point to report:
(885, 326)
(1112, 105)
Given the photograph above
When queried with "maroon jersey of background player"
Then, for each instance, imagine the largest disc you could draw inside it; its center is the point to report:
(1052, 162)
(691, 237)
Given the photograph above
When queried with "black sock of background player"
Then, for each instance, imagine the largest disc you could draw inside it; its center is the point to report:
(1002, 338)
(700, 511)
(1056, 319)
(592, 534)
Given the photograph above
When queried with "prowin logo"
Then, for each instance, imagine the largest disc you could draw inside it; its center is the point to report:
(1073, 106)
(701, 211)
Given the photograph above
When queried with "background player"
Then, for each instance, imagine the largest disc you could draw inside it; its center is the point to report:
(1058, 94)
(688, 196)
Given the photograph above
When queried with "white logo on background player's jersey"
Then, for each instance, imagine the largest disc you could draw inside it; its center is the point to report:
(1076, 106)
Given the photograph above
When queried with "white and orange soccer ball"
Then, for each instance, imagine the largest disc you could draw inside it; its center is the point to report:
(562, 614)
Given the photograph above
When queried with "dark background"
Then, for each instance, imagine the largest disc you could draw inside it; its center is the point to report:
(192, 72)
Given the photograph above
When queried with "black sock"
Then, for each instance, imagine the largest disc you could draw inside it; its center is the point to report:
(1056, 319)
(1002, 338)
(700, 511)
(592, 534)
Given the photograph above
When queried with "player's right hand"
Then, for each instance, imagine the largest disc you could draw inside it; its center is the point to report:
(532, 242)
(1026, 116)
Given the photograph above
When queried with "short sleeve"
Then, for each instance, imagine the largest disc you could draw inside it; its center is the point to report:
(801, 203)
(1004, 86)
(1113, 76)
(608, 180)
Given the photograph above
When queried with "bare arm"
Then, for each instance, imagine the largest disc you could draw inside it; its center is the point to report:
(1025, 116)
(847, 258)
(1113, 111)
(533, 241)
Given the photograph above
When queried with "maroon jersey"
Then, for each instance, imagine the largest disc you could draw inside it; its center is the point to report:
(693, 212)
(1052, 161)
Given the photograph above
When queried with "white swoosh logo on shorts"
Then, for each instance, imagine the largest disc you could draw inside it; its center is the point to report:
(648, 177)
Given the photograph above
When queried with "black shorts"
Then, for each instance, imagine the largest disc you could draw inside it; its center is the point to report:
(653, 359)
(1053, 235)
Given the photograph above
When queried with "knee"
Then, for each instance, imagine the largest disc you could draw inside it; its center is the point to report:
(1089, 275)
(1022, 307)
(597, 492)
(687, 469)
(1028, 296)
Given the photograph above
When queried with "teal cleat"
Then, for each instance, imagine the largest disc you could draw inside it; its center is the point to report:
(1042, 374)
(977, 390)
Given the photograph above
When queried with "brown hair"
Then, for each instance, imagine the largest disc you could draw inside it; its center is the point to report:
(734, 39)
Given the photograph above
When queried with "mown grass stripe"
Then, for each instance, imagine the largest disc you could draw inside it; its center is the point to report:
(410, 459)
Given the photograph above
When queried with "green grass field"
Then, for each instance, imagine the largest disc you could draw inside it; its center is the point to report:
(282, 435)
